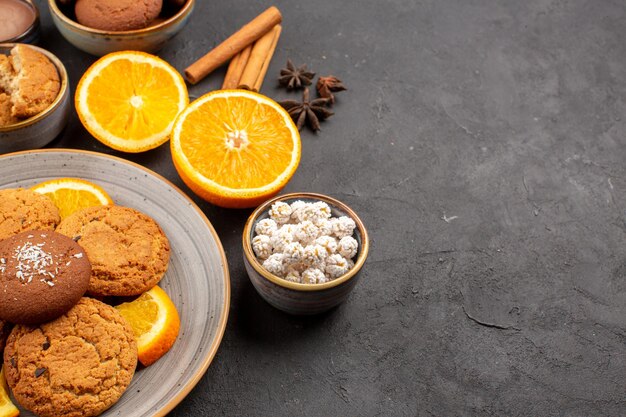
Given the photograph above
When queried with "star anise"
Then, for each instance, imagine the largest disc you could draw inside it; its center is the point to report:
(311, 112)
(295, 78)
(326, 86)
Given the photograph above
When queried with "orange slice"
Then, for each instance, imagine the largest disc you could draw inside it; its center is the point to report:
(129, 100)
(235, 148)
(155, 321)
(7, 408)
(72, 194)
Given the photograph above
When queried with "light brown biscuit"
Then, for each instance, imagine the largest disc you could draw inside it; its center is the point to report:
(36, 84)
(128, 251)
(6, 73)
(75, 366)
(117, 15)
(6, 78)
(6, 118)
(22, 210)
(42, 275)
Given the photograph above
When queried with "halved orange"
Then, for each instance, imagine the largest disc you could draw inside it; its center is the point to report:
(7, 408)
(129, 100)
(235, 148)
(72, 194)
(155, 321)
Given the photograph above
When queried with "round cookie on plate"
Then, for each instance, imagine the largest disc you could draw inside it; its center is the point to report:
(129, 252)
(42, 275)
(22, 210)
(78, 365)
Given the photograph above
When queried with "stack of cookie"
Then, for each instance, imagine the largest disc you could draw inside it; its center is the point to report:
(68, 354)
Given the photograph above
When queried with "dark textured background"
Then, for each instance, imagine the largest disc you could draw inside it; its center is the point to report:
(482, 143)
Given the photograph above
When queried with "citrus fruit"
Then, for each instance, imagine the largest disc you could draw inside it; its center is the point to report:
(155, 321)
(72, 194)
(235, 148)
(7, 408)
(129, 100)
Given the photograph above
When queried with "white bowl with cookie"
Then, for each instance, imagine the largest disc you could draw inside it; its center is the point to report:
(34, 97)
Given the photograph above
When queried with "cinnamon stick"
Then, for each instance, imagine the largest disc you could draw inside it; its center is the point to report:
(268, 58)
(235, 68)
(249, 33)
(262, 52)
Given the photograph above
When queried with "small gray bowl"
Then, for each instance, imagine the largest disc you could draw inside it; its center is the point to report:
(101, 42)
(293, 297)
(42, 128)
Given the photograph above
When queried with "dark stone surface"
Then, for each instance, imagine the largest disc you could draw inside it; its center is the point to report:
(483, 144)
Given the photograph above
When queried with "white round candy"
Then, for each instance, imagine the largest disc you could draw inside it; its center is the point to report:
(348, 247)
(280, 212)
(274, 264)
(336, 266)
(266, 227)
(261, 246)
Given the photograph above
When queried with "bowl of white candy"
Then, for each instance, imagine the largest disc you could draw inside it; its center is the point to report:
(303, 252)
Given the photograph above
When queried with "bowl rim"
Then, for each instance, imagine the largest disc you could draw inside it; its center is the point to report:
(59, 98)
(56, 12)
(249, 254)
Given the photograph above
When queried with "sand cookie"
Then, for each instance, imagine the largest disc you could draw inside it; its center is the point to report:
(117, 15)
(75, 366)
(42, 275)
(30, 79)
(22, 210)
(129, 252)
(6, 118)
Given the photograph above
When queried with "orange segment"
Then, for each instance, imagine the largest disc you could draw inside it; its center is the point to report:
(7, 408)
(72, 194)
(155, 321)
(129, 100)
(235, 148)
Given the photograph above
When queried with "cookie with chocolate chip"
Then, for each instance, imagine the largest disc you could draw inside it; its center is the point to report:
(78, 365)
(42, 275)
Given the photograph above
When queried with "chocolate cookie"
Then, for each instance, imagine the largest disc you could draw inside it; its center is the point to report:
(128, 250)
(75, 366)
(22, 210)
(117, 15)
(42, 275)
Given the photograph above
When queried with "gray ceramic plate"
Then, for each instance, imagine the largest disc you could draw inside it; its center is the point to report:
(197, 279)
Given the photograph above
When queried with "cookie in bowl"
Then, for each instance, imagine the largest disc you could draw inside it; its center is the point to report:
(144, 26)
(29, 82)
(117, 15)
(34, 97)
